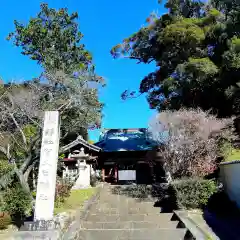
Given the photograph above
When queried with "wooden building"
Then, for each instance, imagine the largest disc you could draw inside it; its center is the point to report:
(129, 155)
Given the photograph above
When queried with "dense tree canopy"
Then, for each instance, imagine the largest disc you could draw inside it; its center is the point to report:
(68, 84)
(196, 47)
(52, 38)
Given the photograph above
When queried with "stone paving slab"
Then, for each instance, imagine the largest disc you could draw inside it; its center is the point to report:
(125, 211)
(128, 225)
(136, 234)
(108, 196)
(34, 235)
(118, 203)
(129, 217)
(120, 199)
(126, 207)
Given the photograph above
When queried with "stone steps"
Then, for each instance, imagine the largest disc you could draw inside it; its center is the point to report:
(30, 235)
(123, 205)
(128, 225)
(122, 202)
(132, 234)
(121, 217)
(125, 198)
(125, 210)
(129, 217)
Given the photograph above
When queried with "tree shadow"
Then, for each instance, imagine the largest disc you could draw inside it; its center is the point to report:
(18, 220)
(166, 196)
(139, 192)
(162, 197)
(222, 216)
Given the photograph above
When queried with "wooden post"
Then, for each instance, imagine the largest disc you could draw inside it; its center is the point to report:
(103, 174)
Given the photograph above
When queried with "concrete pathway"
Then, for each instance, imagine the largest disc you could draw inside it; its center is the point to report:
(115, 216)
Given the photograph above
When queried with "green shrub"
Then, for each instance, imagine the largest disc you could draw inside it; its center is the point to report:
(17, 202)
(233, 155)
(34, 194)
(5, 167)
(5, 220)
(192, 193)
(229, 152)
(62, 191)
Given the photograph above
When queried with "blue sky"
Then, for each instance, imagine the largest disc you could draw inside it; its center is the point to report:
(104, 24)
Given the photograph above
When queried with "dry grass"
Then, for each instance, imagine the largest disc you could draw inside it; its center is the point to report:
(75, 200)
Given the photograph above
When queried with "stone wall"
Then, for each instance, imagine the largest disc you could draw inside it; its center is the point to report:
(230, 177)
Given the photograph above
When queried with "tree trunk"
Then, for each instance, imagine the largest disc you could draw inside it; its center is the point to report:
(23, 181)
(34, 179)
(168, 177)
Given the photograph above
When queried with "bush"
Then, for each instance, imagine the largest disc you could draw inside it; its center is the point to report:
(192, 193)
(34, 194)
(62, 191)
(5, 220)
(5, 167)
(17, 202)
(230, 153)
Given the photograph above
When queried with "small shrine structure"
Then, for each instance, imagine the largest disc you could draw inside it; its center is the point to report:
(80, 162)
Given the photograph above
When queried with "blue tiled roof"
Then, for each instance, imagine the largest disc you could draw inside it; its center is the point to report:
(121, 140)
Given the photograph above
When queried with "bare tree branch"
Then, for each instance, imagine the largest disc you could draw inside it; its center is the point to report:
(64, 106)
(5, 152)
(19, 128)
(22, 107)
(190, 148)
(29, 159)
(29, 169)
(16, 141)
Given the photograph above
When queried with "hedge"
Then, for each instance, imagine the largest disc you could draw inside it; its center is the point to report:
(192, 193)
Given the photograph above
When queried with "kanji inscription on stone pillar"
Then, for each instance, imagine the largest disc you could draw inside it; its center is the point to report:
(44, 206)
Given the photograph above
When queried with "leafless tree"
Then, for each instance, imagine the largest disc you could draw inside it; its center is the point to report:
(23, 105)
(191, 140)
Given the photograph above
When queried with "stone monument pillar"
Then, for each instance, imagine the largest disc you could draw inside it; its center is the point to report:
(44, 206)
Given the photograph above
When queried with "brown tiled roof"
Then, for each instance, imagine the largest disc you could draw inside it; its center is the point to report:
(80, 140)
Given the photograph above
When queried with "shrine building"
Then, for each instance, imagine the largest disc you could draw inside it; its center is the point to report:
(129, 155)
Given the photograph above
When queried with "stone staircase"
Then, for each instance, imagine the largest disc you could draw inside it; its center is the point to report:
(120, 217)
